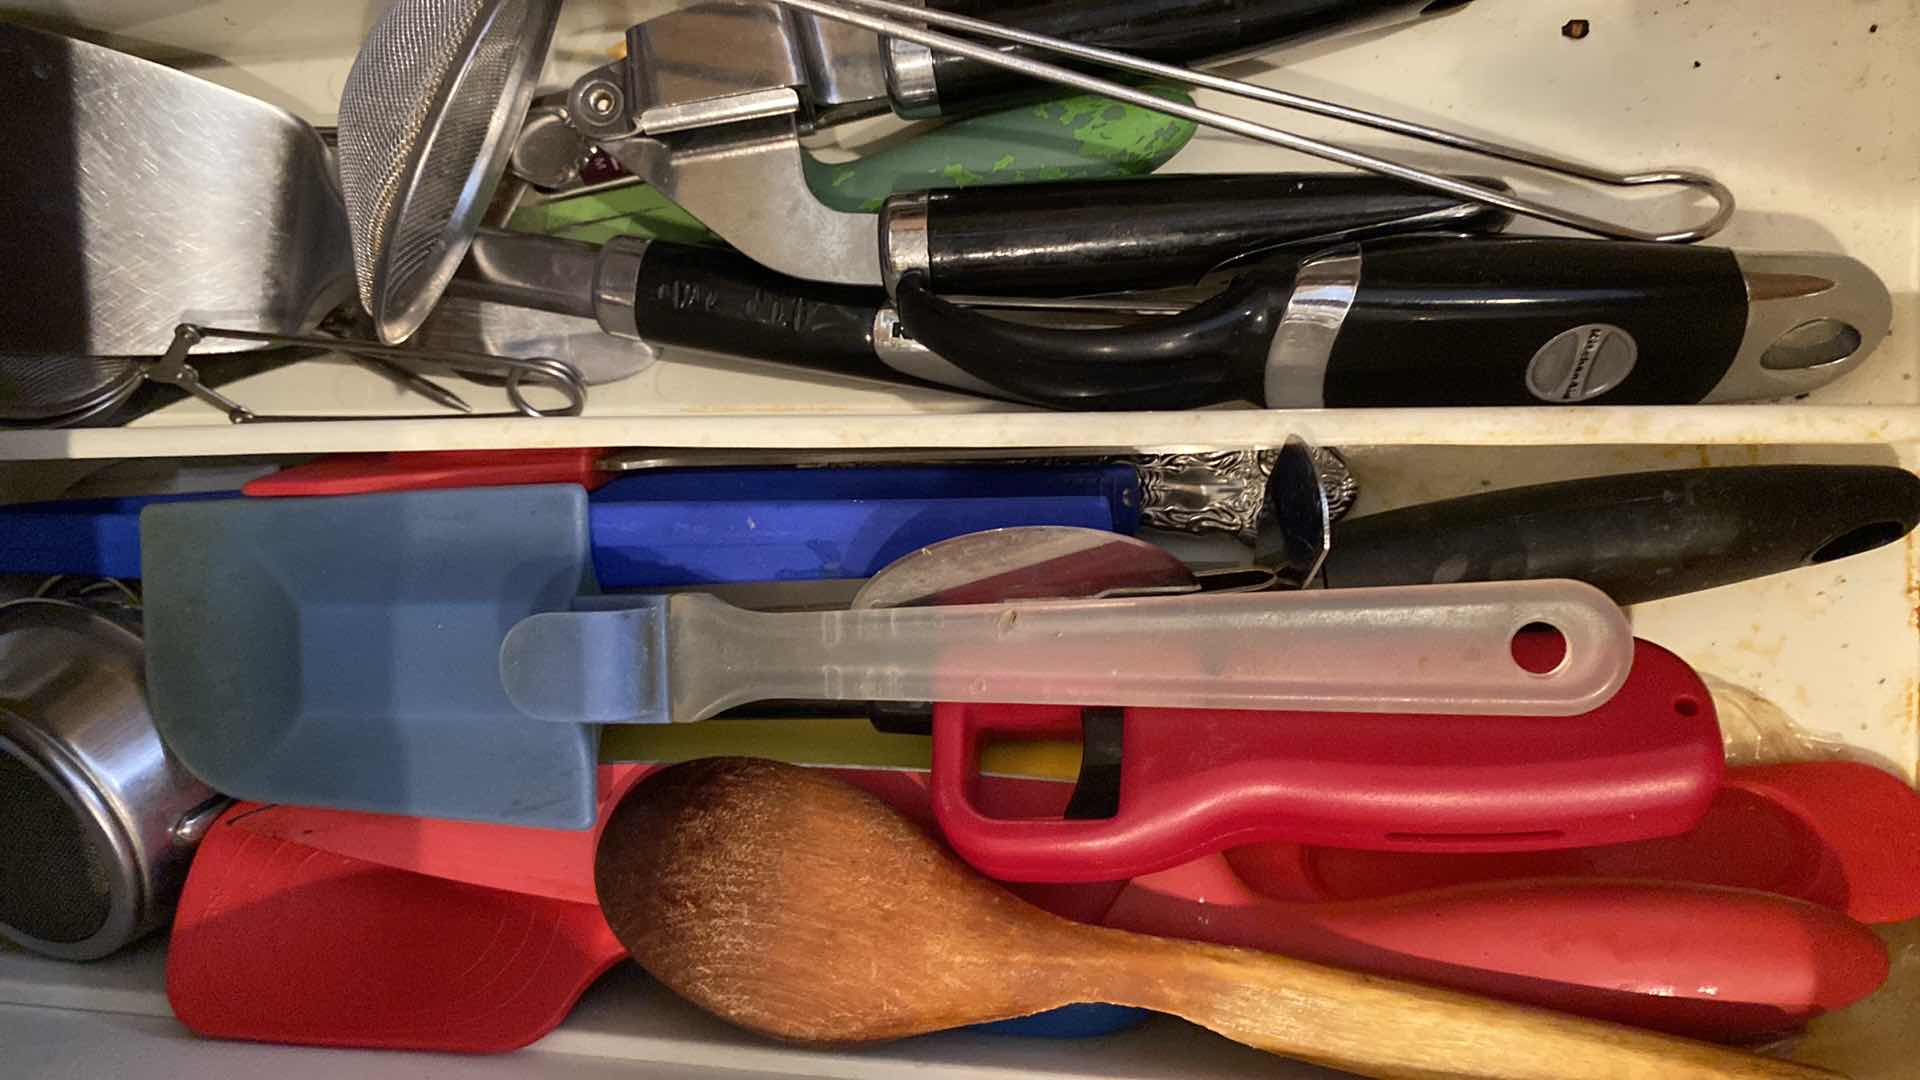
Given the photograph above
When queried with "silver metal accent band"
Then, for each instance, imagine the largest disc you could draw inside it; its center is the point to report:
(1323, 293)
(897, 349)
(910, 80)
(1810, 319)
(616, 283)
(903, 238)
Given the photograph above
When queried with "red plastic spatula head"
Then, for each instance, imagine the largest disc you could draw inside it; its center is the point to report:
(552, 863)
(277, 942)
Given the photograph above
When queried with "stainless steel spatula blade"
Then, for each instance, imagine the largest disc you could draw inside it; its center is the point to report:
(138, 197)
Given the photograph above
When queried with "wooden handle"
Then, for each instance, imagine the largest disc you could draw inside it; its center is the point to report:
(1396, 1030)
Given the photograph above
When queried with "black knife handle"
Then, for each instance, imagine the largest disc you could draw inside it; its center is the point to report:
(1526, 321)
(1213, 352)
(1637, 537)
(716, 299)
(1148, 232)
(1170, 31)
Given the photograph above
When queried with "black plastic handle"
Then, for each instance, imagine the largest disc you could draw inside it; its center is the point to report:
(711, 298)
(1637, 537)
(1170, 31)
(1213, 352)
(1081, 237)
(1526, 321)
(1430, 321)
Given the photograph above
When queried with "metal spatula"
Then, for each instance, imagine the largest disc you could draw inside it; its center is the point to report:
(149, 213)
(138, 197)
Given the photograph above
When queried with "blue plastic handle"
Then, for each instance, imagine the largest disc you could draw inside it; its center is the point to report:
(694, 526)
(705, 526)
(85, 537)
(1069, 1022)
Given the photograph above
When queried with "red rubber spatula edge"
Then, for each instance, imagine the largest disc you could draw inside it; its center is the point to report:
(417, 470)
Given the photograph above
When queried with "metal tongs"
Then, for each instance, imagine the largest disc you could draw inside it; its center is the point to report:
(514, 373)
(904, 24)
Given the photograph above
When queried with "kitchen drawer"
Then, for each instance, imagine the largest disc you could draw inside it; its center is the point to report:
(1835, 646)
(1803, 109)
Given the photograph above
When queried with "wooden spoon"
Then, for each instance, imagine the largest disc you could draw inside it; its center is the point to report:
(790, 903)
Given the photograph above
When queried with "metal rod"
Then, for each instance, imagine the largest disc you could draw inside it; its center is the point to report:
(414, 381)
(902, 25)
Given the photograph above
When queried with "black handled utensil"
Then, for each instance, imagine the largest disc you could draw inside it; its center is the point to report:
(921, 82)
(1637, 537)
(1077, 238)
(1413, 322)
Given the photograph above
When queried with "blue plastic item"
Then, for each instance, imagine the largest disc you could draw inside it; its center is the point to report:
(87, 537)
(1069, 1022)
(703, 526)
(673, 527)
(344, 652)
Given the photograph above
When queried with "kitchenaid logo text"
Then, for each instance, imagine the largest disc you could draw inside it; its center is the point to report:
(1576, 380)
(1581, 363)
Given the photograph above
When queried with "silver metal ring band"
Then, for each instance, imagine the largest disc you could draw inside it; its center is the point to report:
(898, 350)
(1323, 293)
(616, 284)
(903, 238)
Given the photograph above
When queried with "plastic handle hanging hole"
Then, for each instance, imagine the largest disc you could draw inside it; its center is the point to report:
(1686, 705)
(1539, 648)
(1858, 540)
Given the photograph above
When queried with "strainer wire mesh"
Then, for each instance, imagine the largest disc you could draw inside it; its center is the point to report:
(416, 120)
(54, 877)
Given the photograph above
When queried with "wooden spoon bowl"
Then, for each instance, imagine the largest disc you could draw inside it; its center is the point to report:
(788, 902)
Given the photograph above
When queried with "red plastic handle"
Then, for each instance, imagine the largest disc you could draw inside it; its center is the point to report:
(1646, 764)
(1836, 833)
(1694, 960)
(359, 474)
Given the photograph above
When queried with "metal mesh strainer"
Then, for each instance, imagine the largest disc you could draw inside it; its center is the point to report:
(57, 390)
(54, 880)
(428, 116)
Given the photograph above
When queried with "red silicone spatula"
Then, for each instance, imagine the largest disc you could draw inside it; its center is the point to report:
(278, 942)
(1840, 834)
(553, 863)
(1724, 964)
(1776, 962)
